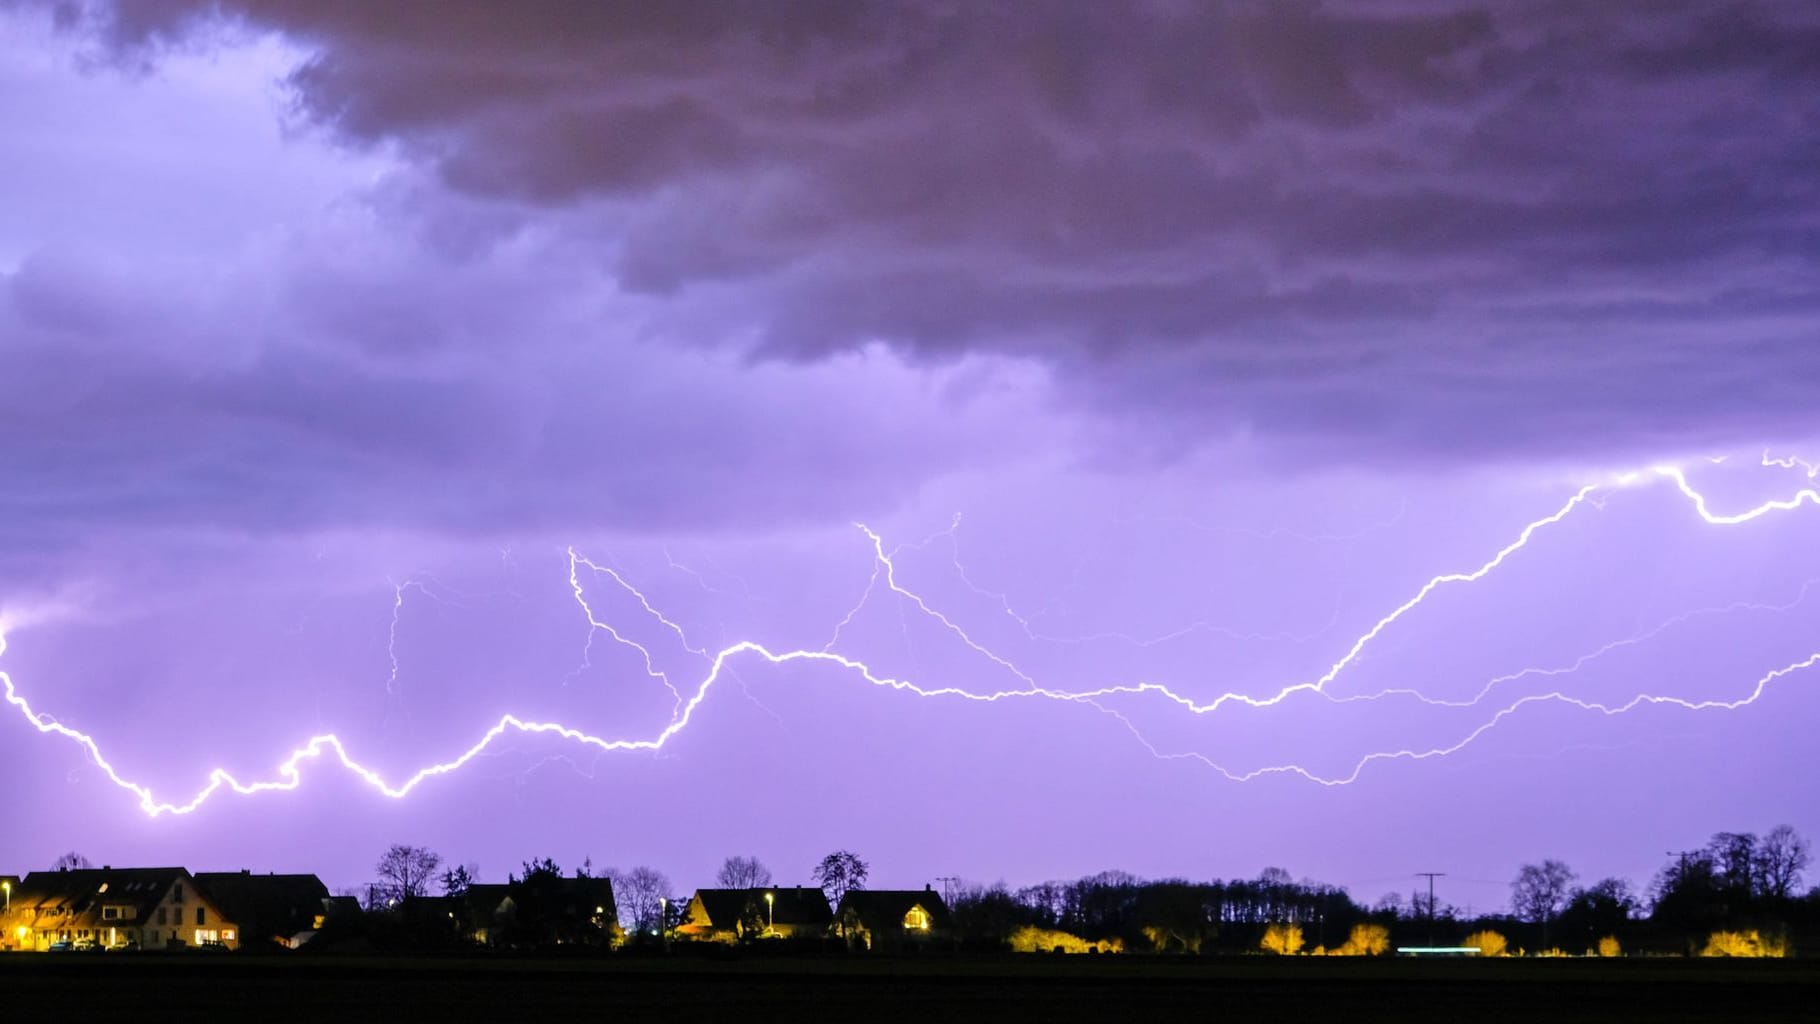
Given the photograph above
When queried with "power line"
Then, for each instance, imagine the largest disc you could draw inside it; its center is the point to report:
(1431, 876)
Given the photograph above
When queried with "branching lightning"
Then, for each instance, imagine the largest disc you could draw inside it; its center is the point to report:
(1021, 684)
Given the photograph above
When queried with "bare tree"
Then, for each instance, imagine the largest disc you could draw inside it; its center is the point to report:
(71, 861)
(743, 873)
(641, 893)
(407, 870)
(1781, 858)
(840, 872)
(1540, 891)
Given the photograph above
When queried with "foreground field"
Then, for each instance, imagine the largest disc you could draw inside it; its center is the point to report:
(876, 991)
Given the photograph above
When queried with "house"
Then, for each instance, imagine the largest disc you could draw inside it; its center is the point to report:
(272, 910)
(892, 919)
(477, 915)
(545, 909)
(114, 908)
(732, 915)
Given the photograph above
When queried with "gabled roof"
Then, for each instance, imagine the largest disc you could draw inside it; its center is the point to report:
(265, 905)
(483, 899)
(556, 894)
(115, 885)
(790, 906)
(877, 908)
(81, 892)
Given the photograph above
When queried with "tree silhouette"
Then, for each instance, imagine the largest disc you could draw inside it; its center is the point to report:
(1540, 891)
(838, 873)
(71, 861)
(1781, 858)
(407, 870)
(455, 881)
(743, 873)
(641, 894)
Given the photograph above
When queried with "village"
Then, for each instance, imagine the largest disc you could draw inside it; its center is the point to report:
(109, 909)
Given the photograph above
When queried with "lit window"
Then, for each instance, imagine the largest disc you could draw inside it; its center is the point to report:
(917, 919)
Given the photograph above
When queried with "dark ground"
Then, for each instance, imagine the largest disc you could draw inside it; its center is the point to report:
(330, 990)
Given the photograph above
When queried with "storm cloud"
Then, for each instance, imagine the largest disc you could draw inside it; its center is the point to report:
(1374, 229)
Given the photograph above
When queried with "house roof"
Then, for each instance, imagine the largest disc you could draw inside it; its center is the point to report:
(81, 892)
(887, 907)
(791, 906)
(265, 905)
(483, 899)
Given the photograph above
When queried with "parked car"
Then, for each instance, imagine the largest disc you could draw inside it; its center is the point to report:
(62, 946)
(86, 946)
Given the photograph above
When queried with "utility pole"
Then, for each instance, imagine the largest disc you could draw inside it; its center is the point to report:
(950, 883)
(1431, 876)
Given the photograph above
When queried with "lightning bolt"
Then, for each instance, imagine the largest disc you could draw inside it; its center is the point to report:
(595, 625)
(288, 774)
(1812, 469)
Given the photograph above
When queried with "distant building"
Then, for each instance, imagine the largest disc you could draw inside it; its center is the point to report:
(543, 910)
(733, 915)
(115, 908)
(891, 919)
(272, 910)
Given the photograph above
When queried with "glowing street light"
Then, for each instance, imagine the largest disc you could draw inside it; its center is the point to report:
(8, 886)
(770, 912)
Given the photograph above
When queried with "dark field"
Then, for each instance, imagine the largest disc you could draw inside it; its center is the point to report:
(925, 989)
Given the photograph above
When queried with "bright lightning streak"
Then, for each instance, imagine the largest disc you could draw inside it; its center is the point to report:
(289, 772)
(595, 625)
(1800, 498)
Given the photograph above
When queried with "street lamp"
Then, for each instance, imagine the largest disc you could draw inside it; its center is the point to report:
(770, 913)
(8, 886)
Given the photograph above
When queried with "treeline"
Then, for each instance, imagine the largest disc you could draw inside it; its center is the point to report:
(1740, 894)
(1737, 895)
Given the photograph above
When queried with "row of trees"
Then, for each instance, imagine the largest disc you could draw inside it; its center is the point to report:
(1738, 892)
(1737, 884)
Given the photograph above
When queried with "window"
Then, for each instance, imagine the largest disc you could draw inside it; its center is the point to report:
(161, 912)
(177, 893)
(917, 919)
(199, 919)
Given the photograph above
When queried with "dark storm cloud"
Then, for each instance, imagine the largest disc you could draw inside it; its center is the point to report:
(1308, 219)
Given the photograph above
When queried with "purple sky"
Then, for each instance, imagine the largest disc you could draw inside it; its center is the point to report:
(1168, 348)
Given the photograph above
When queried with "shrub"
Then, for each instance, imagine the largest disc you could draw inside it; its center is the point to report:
(1744, 944)
(1490, 943)
(1030, 939)
(1365, 940)
(1283, 939)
